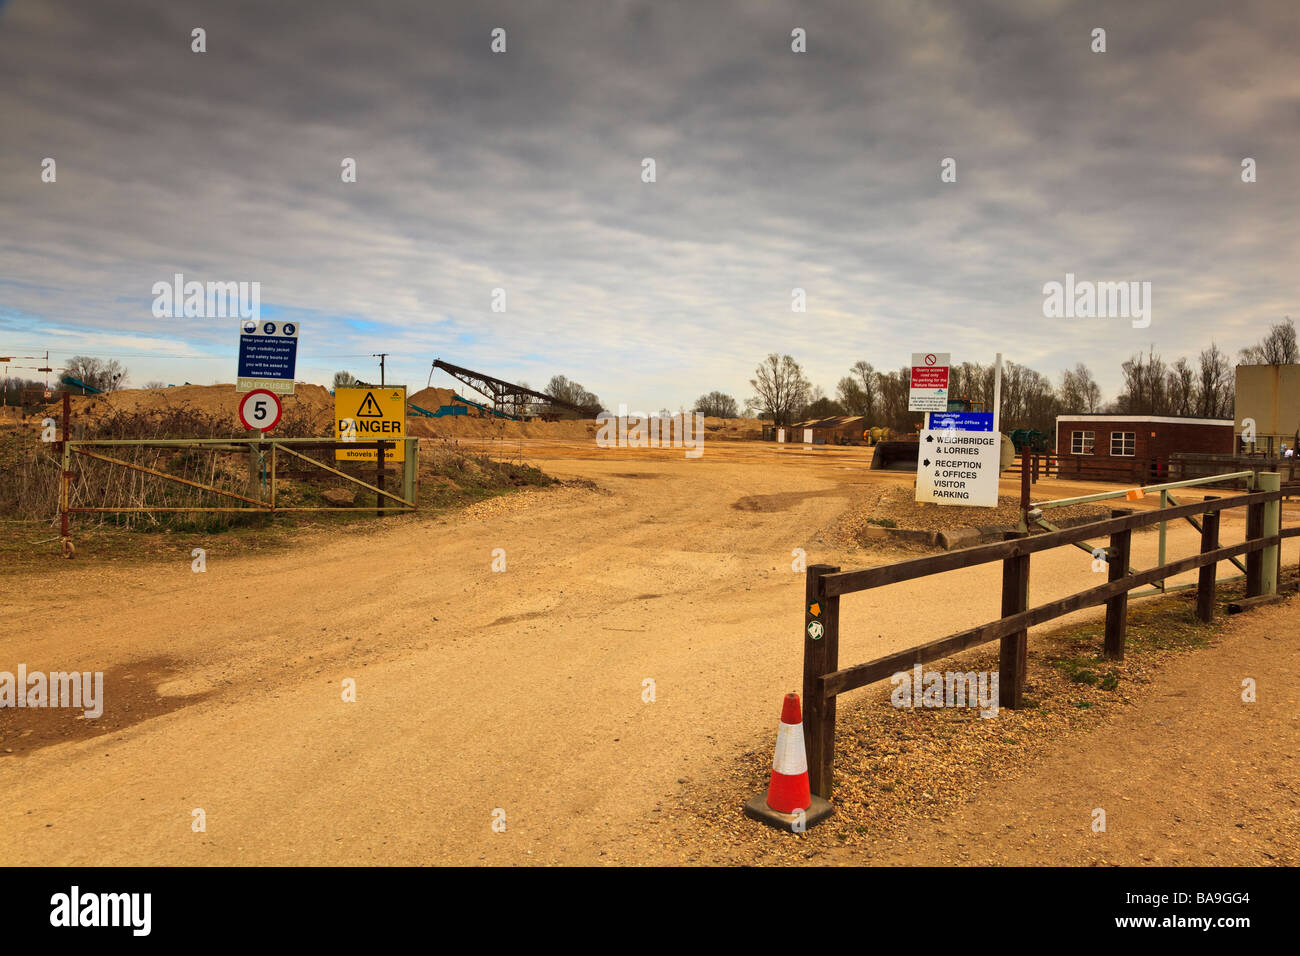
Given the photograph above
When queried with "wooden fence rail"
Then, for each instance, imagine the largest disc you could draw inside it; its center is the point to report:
(824, 679)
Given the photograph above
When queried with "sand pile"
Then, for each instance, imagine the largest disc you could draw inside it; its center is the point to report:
(431, 399)
(735, 429)
(221, 401)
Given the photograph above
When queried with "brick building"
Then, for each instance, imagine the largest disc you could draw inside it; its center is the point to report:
(1134, 448)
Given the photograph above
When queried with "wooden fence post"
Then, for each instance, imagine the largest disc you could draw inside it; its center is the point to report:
(1014, 649)
(1117, 561)
(821, 651)
(1255, 559)
(1205, 583)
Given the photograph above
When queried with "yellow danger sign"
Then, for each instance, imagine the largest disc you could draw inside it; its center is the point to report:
(369, 414)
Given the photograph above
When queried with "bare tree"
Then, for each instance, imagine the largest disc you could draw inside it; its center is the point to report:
(1144, 385)
(973, 382)
(1079, 393)
(107, 375)
(344, 379)
(1180, 388)
(1214, 384)
(859, 391)
(717, 405)
(781, 388)
(1277, 348)
(893, 389)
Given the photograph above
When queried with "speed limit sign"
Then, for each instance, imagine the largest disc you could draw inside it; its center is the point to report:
(260, 410)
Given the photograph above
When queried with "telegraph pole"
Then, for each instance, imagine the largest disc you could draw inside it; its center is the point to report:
(381, 356)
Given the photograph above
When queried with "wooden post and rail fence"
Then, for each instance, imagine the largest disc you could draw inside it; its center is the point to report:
(824, 679)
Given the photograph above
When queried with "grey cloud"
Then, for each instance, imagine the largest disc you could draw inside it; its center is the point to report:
(775, 170)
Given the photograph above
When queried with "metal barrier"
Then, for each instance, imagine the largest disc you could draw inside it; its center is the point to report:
(1034, 514)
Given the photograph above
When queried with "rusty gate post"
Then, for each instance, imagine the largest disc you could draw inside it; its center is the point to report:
(65, 476)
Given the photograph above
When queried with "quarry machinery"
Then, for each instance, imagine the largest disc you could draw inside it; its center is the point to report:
(508, 399)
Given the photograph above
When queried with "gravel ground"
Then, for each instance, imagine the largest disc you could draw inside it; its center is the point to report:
(901, 772)
(895, 507)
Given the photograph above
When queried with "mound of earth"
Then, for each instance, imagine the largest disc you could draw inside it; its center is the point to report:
(216, 400)
(473, 426)
(431, 399)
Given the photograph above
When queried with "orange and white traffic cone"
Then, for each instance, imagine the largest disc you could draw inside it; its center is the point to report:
(788, 791)
(788, 803)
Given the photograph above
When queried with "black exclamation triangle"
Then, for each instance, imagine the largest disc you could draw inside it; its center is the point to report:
(369, 407)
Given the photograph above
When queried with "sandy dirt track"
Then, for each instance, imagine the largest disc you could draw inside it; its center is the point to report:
(475, 690)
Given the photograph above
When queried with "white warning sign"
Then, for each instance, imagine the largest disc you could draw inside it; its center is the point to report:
(956, 467)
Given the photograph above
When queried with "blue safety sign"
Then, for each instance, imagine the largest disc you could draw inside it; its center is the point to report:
(268, 350)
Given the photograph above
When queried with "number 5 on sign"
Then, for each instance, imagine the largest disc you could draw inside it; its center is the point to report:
(260, 410)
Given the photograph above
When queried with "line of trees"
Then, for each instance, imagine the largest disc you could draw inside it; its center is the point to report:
(14, 386)
(1197, 388)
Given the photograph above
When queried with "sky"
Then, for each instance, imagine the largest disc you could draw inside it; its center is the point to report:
(523, 171)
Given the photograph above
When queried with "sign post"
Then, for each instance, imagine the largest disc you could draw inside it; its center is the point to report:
(368, 414)
(268, 354)
(959, 460)
(929, 385)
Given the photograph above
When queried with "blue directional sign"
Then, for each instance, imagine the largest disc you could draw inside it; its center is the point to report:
(961, 421)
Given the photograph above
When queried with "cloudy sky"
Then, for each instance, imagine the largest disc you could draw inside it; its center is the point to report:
(522, 170)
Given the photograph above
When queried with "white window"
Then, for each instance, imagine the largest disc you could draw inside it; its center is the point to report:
(1081, 442)
(1123, 444)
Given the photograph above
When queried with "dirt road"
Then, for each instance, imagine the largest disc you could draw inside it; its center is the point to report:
(477, 692)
